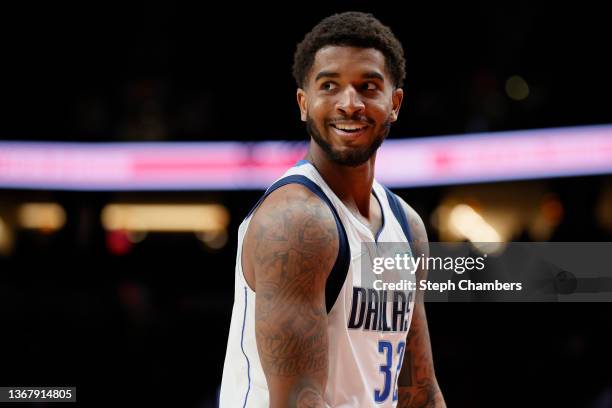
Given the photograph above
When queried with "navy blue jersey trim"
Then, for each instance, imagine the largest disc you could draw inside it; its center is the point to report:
(337, 276)
(382, 212)
(400, 213)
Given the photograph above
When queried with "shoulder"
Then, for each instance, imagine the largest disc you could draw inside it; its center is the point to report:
(292, 222)
(291, 204)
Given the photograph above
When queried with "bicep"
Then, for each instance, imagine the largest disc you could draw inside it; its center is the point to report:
(295, 246)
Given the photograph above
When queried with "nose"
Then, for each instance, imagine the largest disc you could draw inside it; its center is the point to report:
(349, 102)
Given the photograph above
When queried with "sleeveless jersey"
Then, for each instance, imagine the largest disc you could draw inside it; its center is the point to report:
(367, 328)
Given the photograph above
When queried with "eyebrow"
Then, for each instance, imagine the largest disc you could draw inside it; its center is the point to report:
(374, 75)
(367, 75)
(326, 74)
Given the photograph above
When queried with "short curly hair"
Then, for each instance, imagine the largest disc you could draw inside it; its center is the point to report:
(352, 29)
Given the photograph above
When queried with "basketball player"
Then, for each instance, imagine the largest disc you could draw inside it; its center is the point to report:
(298, 337)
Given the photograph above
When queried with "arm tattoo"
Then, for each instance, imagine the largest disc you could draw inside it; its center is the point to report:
(417, 384)
(416, 380)
(419, 240)
(306, 395)
(296, 244)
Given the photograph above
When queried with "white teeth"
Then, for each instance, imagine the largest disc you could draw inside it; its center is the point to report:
(348, 127)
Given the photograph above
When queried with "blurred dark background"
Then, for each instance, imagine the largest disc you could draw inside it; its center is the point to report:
(147, 322)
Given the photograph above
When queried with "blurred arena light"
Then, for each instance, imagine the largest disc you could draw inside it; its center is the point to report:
(524, 210)
(136, 237)
(213, 239)
(547, 217)
(6, 238)
(604, 208)
(466, 222)
(165, 217)
(517, 88)
(401, 163)
(46, 217)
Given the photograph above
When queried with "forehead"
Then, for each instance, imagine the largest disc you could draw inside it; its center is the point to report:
(348, 61)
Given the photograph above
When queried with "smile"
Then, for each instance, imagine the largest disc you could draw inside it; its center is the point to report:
(349, 128)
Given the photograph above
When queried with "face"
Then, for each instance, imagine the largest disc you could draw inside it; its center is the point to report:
(348, 103)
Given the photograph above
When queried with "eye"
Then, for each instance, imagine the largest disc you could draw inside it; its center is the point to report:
(328, 86)
(369, 86)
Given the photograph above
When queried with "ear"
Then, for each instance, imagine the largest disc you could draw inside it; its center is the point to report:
(397, 98)
(302, 103)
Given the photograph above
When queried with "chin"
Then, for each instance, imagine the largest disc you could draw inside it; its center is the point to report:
(350, 157)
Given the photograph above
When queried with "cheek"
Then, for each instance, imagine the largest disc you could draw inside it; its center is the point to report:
(318, 109)
(382, 109)
(319, 104)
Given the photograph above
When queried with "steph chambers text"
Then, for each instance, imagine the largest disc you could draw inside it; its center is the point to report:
(464, 285)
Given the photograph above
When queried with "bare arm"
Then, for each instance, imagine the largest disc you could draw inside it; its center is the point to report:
(417, 383)
(291, 247)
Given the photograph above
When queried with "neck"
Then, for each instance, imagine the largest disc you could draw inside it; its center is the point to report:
(353, 185)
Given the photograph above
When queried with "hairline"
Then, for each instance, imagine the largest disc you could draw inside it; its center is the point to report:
(386, 70)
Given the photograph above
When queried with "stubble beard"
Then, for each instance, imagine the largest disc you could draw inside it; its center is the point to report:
(352, 157)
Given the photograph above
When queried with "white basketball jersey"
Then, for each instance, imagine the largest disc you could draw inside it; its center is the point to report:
(366, 328)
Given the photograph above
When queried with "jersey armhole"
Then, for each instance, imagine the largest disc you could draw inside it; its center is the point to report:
(400, 214)
(337, 276)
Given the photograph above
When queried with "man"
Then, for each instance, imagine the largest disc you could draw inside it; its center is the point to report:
(296, 337)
